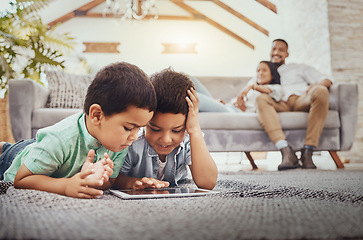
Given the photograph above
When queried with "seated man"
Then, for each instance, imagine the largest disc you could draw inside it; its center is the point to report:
(305, 89)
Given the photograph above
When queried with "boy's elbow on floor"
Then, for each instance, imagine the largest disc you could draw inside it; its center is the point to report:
(209, 185)
(17, 185)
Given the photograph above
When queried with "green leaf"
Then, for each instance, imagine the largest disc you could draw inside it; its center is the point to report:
(24, 37)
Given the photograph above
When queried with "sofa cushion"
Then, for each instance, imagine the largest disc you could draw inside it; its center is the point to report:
(44, 117)
(249, 121)
(67, 90)
(239, 140)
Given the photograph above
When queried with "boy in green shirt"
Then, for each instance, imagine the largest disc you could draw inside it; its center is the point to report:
(66, 158)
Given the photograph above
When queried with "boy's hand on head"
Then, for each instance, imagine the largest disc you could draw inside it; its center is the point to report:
(192, 122)
(78, 185)
(149, 183)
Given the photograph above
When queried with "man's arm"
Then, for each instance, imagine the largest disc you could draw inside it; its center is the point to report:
(204, 169)
(326, 82)
(313, 76)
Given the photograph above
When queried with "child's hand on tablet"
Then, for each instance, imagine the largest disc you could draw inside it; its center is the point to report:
(149, 183)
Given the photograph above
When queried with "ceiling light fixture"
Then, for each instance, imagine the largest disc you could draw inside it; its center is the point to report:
(131, 9)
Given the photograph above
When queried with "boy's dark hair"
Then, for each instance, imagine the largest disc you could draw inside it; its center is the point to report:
(171, 89)
(118, 86)
(281, 40)
(274, 73)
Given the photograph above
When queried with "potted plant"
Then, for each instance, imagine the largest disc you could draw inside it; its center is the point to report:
(27, 46)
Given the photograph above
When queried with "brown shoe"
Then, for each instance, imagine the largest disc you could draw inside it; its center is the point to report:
(289, 159)
(307, 158)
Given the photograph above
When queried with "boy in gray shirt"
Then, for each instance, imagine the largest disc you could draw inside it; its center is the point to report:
(171, 141)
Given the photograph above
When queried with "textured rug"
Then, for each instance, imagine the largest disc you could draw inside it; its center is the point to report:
(296, 204)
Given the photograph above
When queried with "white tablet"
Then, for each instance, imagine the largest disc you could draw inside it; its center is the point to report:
(161, 193)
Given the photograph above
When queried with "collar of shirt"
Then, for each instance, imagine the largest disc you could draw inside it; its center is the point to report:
(91, 142)
(152, 153)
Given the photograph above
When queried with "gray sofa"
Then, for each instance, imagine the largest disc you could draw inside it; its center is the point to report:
(224, 132)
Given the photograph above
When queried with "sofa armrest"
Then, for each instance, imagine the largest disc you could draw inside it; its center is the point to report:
(344, 99)
(24, 96)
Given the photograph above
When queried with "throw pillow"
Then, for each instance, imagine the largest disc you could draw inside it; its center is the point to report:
(67, 90)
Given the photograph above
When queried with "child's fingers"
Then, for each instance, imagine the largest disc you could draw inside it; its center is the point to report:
(108, 170)
(93, 182)
(151, 183)
(86, 196)
(138, 185)
(103, 161)
(108, 159)
(143, 183)
(146, 181)
(193, 102)
(90, 192)
(105, 177)
(90, 156)
(109, 162)
(193, 94)
(86, 173)
(89, 182)
(166, 184)
(157, 183)
(190, 103)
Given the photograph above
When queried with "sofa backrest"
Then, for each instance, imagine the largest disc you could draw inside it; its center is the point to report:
(224, 88)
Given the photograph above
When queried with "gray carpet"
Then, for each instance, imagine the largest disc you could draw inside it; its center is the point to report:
(296, 204)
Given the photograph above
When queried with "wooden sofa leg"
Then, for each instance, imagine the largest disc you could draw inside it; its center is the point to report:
(250, 158)
(336, 159)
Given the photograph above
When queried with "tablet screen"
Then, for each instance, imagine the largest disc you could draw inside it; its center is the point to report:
(162, 192)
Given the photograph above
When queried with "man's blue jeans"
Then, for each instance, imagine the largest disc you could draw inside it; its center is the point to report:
(9, 152)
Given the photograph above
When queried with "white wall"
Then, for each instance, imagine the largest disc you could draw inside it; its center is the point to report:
(346, 31)
(304, 25)
(141, 41)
